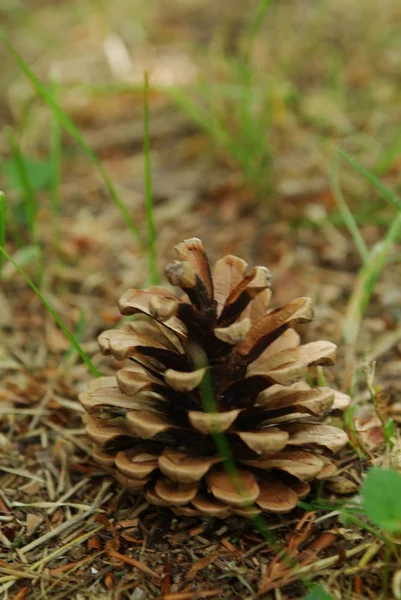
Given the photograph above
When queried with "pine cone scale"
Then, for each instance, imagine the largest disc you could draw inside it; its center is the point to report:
(275, 496)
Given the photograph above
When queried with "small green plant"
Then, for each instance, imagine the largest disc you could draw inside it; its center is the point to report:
(244, 138)
(27, 176)
(233, 107)
(37, 171)
(373, 259)
(317, 592)
(49, 98)
(381, 495)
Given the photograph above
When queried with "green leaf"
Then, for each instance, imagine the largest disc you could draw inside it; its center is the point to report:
(317, 592)
(381, 495)
(39, 173)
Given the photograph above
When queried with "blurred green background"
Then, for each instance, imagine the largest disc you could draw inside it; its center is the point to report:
(275, 85)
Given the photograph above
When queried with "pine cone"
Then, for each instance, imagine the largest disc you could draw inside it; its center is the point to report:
(150, 425)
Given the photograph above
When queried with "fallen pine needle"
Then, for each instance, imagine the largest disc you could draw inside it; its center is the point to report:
(54, 532)
(69, 493)
(331, 560)
(193, 595)
(23, 592)
(16, 573)
(278, 579)
(131, 561)
(40, 563)
(8, 582)
(53, 505)
(65, 568)
(228, 545)
(79, 565)
(22, 473)
(201, 564)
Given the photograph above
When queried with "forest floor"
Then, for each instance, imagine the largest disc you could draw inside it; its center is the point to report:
(246, 169)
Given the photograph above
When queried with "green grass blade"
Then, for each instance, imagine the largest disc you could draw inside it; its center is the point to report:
(28, 255)
(378, 257)
(257, 22)
(153, 270)
(3, 225)
(223, 447)
(201, 117)
(222, 444)
(29, 201)
(69, 126)
(224, 450)
(347, 215)
(366, 282)
(242, 139)
(55, 316)
(381, 188)
(390, 155)
(210, 123)
(56, 161)
(79, 332)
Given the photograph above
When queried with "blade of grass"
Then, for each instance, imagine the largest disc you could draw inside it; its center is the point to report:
(222, 445)
(256, 24)
(55, 316)
(24, 256)
(28, 195)
(56, 159)
(389, 156)
(245, 73)
(384, 191)
(241, 146)
(69, 126)
(346, 214)
(223, 448)
(78, 334)
(201, 117)
(154, 273)
(378, 257)
(3, 225)
(366, 282)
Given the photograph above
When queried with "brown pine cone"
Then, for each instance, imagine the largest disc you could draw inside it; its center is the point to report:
(151, 424)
